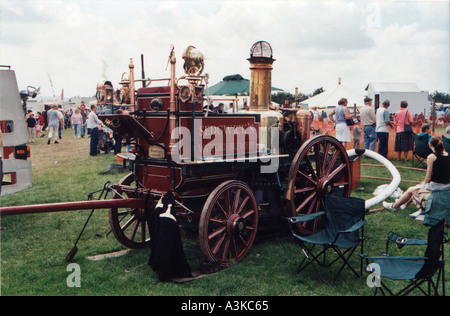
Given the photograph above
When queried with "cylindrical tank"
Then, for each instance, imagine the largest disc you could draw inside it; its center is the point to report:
(303, 120)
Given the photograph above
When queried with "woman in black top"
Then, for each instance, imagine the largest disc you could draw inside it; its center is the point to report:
(437, 179)
(439, 161)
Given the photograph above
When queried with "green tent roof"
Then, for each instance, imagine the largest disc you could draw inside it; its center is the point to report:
(232, 85)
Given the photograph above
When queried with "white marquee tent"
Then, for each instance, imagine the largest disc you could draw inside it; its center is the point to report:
(330, 97)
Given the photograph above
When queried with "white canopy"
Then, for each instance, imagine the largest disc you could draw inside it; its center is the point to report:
(330, 98)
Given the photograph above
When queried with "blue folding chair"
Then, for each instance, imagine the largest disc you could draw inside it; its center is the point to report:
(413, 270)
(343, 232)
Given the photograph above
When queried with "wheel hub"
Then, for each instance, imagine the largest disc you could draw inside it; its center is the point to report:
(236, 224)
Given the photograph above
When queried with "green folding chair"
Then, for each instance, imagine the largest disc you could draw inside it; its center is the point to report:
(446, 142)
(342, 233)
(421, 151)
(413, 270)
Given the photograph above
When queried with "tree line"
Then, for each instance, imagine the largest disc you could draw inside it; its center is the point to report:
(280, 97)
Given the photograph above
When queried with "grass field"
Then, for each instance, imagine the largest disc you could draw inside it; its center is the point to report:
(33, 247)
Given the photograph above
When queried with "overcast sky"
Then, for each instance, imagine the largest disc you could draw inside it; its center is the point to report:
(78, 43)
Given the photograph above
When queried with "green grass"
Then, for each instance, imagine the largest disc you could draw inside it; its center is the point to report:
(33, 247)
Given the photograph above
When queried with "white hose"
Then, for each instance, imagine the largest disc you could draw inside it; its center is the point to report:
(396, 178)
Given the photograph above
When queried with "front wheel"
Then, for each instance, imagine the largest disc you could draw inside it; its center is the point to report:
(129, 225)
(228, 223)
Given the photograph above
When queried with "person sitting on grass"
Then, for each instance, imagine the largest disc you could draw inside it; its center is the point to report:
(437, 179)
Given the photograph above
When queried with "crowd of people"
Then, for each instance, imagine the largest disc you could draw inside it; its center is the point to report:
(374, 127)
(430, 196)
(83, 120)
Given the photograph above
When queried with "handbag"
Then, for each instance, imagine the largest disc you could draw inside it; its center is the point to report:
(407, 127)
(352, 121)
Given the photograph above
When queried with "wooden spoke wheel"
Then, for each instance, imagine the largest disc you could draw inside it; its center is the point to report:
(228, 222)
(320, 167)
(129, 225)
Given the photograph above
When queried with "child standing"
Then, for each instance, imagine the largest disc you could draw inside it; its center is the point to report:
(77, 120)
(356, 136)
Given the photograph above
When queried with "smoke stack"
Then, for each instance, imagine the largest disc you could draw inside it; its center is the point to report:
(261, 76)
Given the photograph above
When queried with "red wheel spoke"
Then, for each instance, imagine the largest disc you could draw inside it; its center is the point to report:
(243, 241)
(306, 177)
(318, 163)
(301, 206)
(227, 203)
(306, 189)
(218, 244)
(219, 221)
(336, 171)
(331, 163)
(134, 231)
(236, 201)
(312, 205)
(128, 223)
(216, 233)
(325, 155)
(222, 209)
(249, 213)
(338, 184)
(241, 207)
(310, 166)
(226, 247)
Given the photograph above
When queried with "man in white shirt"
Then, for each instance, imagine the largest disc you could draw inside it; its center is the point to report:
(93, 124)
(368, 120)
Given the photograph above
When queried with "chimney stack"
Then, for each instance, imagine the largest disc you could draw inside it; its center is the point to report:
(261, 76)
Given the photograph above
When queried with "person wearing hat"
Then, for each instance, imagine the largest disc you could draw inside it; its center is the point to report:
(369, 120)
(382, 129)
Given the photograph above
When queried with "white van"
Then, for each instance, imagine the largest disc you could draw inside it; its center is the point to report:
(15, 151)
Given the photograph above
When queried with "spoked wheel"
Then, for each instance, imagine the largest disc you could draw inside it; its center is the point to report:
(129, 225)
(321, 166)
(228, 222)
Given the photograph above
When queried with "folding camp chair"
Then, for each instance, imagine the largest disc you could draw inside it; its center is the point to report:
(342, 232)
(421, 150)
(416, 270)
(446, 142)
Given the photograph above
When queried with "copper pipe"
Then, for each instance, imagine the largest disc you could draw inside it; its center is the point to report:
(72, 206)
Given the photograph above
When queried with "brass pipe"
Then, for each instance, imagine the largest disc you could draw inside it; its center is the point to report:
(132, 91)
(172, 117)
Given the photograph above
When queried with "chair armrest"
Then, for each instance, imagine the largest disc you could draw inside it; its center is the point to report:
(353, 228)
(388, 257)
(404, 241)
(304, 218)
